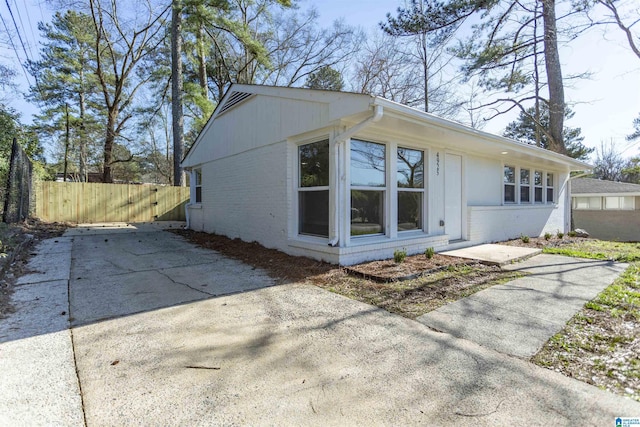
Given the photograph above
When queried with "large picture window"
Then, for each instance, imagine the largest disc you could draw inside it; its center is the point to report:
(313, 189)
(368, 187)
(410, 176)
(523, 185)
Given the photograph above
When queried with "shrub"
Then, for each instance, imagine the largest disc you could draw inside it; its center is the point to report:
(399, 255)
(572, 234)
(429, 253)
(560, 234)
(547, 236)
(524, 238)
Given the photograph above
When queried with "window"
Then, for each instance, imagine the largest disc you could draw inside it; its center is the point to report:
(509, 184)
(549, 188)
(537, 182)
(410, 176)
(525, 185)
(198, 185)
(619, 203)
(368, 187)
(313, 189)
(587, 203)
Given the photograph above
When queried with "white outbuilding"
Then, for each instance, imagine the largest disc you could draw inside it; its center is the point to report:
(346, 177)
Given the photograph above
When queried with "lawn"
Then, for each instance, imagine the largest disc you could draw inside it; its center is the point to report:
(600, 345)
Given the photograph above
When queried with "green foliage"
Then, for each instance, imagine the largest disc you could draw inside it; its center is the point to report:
(572, 234)
(524, 129)
(429, 253)
(399, 256)
(636, 132)
(547, 236)
(631, 171)
(325, 78)
(524, 238)
(599, 249)
(560, 234)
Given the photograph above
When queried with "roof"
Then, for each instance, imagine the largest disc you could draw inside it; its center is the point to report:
(592, 186)
(402, 116)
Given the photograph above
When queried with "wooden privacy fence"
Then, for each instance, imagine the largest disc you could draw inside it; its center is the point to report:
(82, 202)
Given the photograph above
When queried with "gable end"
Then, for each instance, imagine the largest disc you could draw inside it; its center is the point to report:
(234, 99)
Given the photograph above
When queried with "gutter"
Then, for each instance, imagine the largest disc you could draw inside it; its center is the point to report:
(339, 141)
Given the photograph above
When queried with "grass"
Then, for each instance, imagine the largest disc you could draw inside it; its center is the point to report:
(599, 249)
(601, 344)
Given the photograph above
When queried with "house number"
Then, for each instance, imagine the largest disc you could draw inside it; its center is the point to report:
(438, 163)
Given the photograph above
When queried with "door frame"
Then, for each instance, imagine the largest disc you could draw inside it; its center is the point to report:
(463, 193)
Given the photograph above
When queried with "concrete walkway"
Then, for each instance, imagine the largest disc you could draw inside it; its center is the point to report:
(169, 334)
(517, 318)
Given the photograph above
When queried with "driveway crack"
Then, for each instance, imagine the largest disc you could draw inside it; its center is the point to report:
(185, 284)
(73, 352)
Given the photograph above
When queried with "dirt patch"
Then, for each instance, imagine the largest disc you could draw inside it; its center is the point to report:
(541, 242)
(17, 240)
(411, 268)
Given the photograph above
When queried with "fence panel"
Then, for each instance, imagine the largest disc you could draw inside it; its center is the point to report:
(83, 202)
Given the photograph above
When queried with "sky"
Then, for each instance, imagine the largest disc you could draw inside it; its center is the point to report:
(604, 106)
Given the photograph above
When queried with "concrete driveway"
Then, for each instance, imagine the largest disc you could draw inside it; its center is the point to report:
(165, 333)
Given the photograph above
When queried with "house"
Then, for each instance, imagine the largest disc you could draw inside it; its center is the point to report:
(607, 210)
(346, 177)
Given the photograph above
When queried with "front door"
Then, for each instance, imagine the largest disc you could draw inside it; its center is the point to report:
(453, 196)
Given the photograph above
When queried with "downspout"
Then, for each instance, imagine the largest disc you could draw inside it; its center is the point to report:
(338, 141)
(186, 207)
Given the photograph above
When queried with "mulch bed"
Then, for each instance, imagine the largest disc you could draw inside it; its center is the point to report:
(411, 268)
(541, 242)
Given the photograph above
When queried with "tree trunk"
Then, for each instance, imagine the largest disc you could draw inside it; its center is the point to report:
(112, 117)
(176, 91)
(554, 77)
(202, 64)
(83, 140)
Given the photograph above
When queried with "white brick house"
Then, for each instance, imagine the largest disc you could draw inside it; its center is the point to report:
(347, 177)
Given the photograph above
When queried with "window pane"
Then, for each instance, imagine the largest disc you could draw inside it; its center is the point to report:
(594, 203)
(549, 195)
(538, 191)
(509, 175)
(612, 202)
(314, 164)
(198, 194)
(409, 210)
(314, 212)
(198, 176)
(410, 168)
(524, 176)
(367, 164)
(525, 194)
(628, 203)
(510, 193)
(367, 209)
(549, 180)
(537, 176)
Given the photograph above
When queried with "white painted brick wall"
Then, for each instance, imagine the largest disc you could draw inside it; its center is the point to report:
(245, 196)
(498, 223)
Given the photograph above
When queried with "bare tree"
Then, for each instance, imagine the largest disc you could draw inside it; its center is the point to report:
(121, 44)
(176, 92)
(609, 162)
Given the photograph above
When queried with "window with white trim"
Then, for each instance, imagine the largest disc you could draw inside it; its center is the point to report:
(313, 189)
(525, 186)
(619, 203)
(509, 184)
(410, 177)
(368, 187)
(587, 203)
(537, 186)
(550, 188)
(198, 185)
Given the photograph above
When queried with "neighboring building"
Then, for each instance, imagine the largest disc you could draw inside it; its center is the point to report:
(347, 177)
(607, 210)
